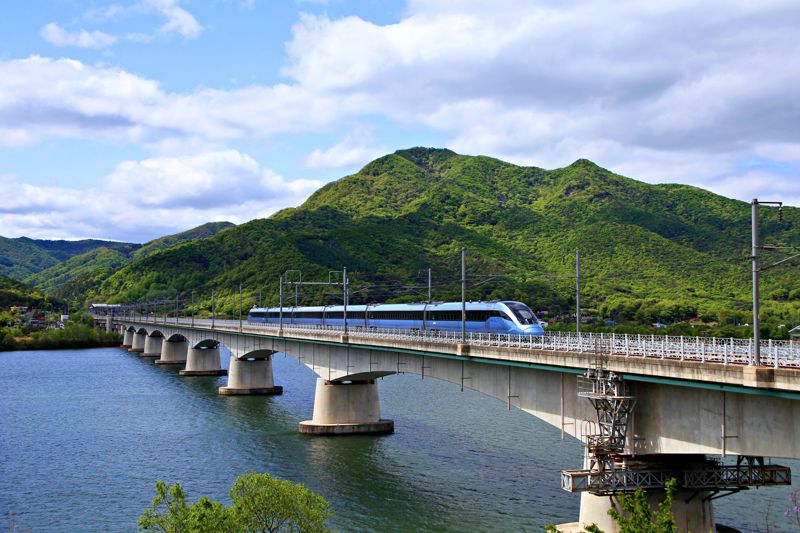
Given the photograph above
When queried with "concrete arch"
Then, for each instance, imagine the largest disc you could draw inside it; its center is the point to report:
(258, 354)
(362, 376)
(141, 331)
(155, 333)
(131, 329)
(176, 337)
(207, 343)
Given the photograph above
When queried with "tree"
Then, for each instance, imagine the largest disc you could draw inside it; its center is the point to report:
(636, 515)
(260, 503)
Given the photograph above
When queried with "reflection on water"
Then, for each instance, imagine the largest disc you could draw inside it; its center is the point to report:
(84, 434)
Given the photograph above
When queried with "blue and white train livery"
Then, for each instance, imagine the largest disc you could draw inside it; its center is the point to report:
(482, 317)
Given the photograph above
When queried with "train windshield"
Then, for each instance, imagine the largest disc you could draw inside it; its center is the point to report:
(523, 313)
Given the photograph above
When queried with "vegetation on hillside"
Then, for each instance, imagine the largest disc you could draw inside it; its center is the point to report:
(22, 257)
(16, 293)
(649, 252)
(204, 231)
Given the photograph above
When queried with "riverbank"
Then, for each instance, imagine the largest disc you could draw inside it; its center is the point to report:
(74, 336)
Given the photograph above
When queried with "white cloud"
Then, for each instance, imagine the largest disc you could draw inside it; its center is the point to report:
(357, 148)
(152, 197)
(58, 36)
(178, 19)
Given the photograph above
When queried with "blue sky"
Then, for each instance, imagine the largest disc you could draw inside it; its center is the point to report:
(130, 119)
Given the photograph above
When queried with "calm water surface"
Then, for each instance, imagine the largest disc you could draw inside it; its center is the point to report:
(85, 433)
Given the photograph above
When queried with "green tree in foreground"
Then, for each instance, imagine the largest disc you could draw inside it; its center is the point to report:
(637, 516)
(260, 503)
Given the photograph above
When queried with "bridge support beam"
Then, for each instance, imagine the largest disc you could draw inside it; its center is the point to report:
(127, 338)
(173, 352)
(691, 510)
(203, 361)
(250, 376)
(348, 408)
(152, 346)
(137, 343)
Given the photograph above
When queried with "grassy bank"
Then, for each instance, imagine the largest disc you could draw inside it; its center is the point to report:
(73, 336)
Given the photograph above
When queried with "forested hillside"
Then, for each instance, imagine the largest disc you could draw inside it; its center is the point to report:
(649, 252)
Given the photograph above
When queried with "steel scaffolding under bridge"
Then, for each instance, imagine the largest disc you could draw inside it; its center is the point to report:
(706, 475)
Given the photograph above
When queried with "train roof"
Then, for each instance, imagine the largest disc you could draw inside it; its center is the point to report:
(416, 306)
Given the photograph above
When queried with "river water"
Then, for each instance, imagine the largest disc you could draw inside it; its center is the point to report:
(84, 434)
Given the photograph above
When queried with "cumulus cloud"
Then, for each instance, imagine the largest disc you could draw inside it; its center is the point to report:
(680, 91)
(356, 148)
(58, 36)
(43, 97)
(152, 197)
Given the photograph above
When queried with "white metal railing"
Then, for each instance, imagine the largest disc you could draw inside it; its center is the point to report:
(774, 353)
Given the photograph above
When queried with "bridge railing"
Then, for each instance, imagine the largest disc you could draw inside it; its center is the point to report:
(776, 353)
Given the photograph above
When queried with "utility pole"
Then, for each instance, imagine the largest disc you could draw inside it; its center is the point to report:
(756, 326)
(344, 297)
(213, 308)
(429, 285)
(176, 308)
(463, 295)
(259, 297)
(240, 308)
(192, 307)
(577, 291)
(756, 271)
(280, 308)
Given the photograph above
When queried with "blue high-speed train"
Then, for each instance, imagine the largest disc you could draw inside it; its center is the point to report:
(483, 317)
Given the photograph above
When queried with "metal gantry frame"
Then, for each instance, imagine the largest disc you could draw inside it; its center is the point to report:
(613, 469)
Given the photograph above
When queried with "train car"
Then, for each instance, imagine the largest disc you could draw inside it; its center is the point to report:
(482, 317)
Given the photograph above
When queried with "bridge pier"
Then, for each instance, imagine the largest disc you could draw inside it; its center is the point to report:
(127, 338)
(346, 408)
(173, 352)
(137, 343)
(250, 376)
(152, 346)
(691, 510)
(203, 361)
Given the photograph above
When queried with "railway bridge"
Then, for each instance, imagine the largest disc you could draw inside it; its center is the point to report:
(647, 408)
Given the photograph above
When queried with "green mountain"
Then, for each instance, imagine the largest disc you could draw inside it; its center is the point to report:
(208, 229)
(13, 292)
(22, 257)
(647, 251)
(97, 263)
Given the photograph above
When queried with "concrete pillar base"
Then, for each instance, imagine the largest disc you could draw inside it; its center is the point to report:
(127, 339)
(381, 427)
(219, 372)
(250, 376)
(153, 346)
(203, 362)
(142, 354)
(692, 511)
(137, 342)
(266, 391)
(125, 346)
(173, 353)
(349, 408)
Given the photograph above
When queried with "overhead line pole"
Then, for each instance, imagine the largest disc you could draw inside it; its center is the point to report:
(213, 308)
(577, 291)
(756, 271)
(280, 308)
(463, 295)
(429, 285)
(344, 297)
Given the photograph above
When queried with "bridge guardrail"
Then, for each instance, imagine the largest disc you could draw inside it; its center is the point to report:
(779, 354)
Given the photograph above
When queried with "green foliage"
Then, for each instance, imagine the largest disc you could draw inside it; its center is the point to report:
(637, 516)
(15, 293)
(259, 503)
(76, 334)
(204, 231)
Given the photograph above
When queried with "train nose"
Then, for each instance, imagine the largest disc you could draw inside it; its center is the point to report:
(535, 329)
